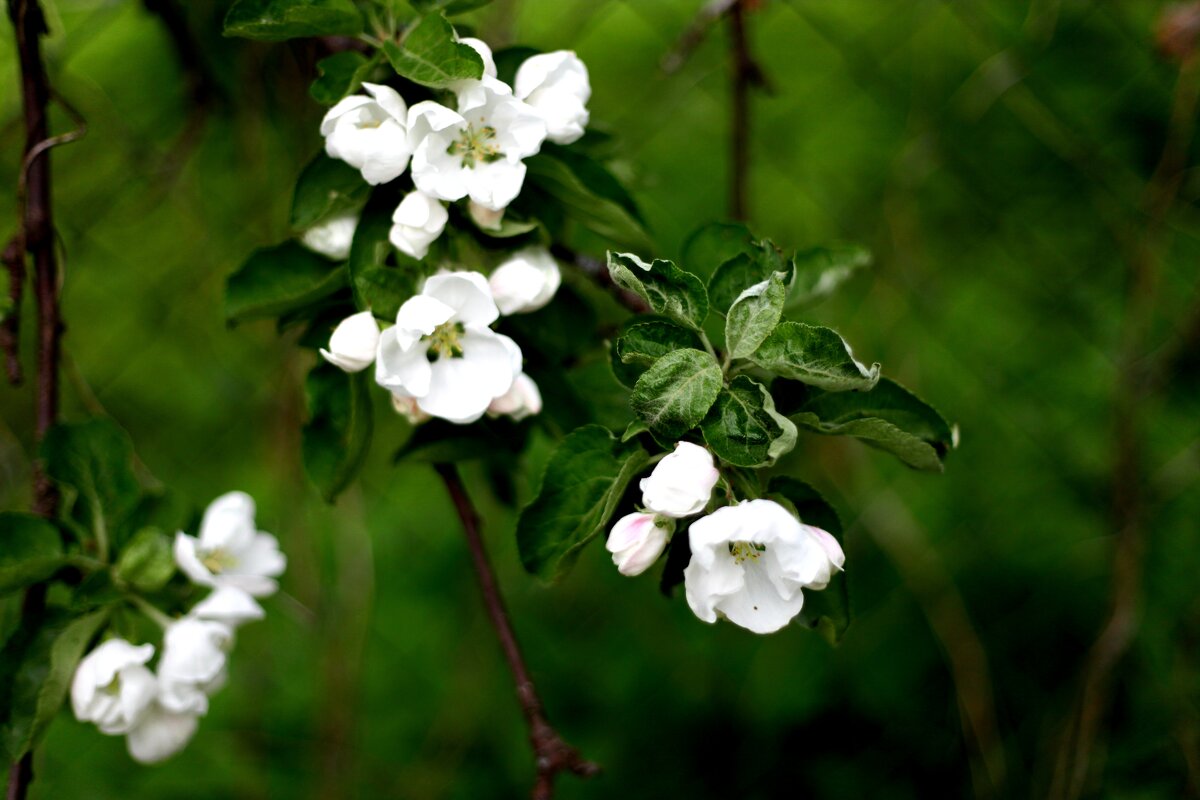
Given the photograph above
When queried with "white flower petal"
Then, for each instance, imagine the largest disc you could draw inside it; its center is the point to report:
(160, 735)
(354, 342)
(402, 370)
(467, 293)
(229, 605)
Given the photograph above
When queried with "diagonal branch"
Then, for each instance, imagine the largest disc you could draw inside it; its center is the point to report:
(552, 755)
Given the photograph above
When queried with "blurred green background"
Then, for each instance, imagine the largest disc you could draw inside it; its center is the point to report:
(996, 155)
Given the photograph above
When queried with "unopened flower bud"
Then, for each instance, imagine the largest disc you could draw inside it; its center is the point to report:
(417, 222)
(332, 237)
(521, 401)
(681, 483)
(354, 342)
(637, 540)
(526, 281)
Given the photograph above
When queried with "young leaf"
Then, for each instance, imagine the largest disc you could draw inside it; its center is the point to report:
(757, 262)
(828, 610)
(275, 20)
(814, 355)
(584, 480)
(326, 185)
(821, 270)
(337, 435)
(644, 343)
(754, 315)
(340, 75)
(147, 561)
(30, 550)
(743, 427)
(431, 54)
(889, 417)
(280, 279)
(713, 244)
(675, 394)
(574, 196)
(669, 290)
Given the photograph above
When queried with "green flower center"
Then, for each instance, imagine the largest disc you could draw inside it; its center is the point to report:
(217, 561)
(741, 551)
(476, 145)
(113, 689)
(444, 341)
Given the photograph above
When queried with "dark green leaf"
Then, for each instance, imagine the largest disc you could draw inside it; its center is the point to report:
(438, 441)
(431, 55)
(340, 75)
(644, 343)
(147, 562)
(338, 432)
(274, 20)
(814, 355)
(821, 270)
(888, 417)
(378, 285)
(574, 197)
(754, 315)
(596, 177)
(743, 427)
(712, 245)
(327, 185)
(669, 290)
(280, 279)
(583, 482)
(675, 394)
(509, 60)
(757, 262)
(449, 6)
(30, 550)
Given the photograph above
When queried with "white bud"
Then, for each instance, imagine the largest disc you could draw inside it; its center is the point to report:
(193, 664)
(637, 540)
(521, 401)
(418, 221)
(556, 86)
(681, 483)
(354, 342)
(526, 281)
(112, 686)
(332, 237)
(160, 734)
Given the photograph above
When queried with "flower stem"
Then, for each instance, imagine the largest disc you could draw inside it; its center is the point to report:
(150, 610)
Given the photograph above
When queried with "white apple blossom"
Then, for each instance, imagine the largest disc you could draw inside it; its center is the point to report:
(637, 540)
(476, 151)
(370, 133)
(160, 734)
(193, 663)
(442, 352)
(228, 605)
(556, 85)
(417, 222)
(112, 686)
(526, 281)
(486, 218)
(750, 562)
(332, 237)
(353, 343)
(681, 483)
(521, 401)
(230, 551)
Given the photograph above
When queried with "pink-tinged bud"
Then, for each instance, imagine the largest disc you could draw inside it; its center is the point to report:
(637, 540)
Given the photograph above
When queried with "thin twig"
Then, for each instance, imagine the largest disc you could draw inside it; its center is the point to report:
(552, 754)
(10, 329)
(695, 33)
(746, 75)
(597, 270)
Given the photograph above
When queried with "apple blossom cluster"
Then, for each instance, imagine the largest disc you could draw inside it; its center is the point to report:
(158, 710)
(441, 358)
(750, 561)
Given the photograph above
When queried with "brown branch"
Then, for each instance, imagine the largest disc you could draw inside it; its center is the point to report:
(552, 754)
(695, 33)
(746, 75)
(10, 329)
(597, 270)
(36, 240)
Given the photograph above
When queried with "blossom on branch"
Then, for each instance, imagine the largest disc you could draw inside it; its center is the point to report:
(519, 402)
(332, 237)
(113, 687)
(417, 222)
(370, 134)
(230, 551)
(160, 734)
(682, 483)
(637, 540)
(526, 281)
(556, 85)
(192, 666)
(353, 343)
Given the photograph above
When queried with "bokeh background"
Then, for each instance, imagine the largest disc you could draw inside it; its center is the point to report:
(1021, 170)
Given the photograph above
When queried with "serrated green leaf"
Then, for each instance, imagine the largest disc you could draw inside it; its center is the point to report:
(743, 427)
(275, 20)
(668, 290)
(431, 54)
(30, 550)
(828, 610)
(713, 244)
(337, 436)
(583, 482)
(326, 186)
(753, 265)
(92, 462)
(340, 75)
(146, 561)
(889, 417)
(572, 196)
(821, 270)
(644, 343)
(814, 355)
(675, 394)
(278, 280)
(754, 315)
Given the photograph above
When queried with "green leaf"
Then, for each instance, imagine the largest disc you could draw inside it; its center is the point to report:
(821, 270)
(147, 562)
(573, 196)
(757, 262)
(378, 285)
(583, 482)
(449, 6)
(326, 185)
(675, 394)
(644, 343)
(278, 280)
(889, 417)
(30, 550)
(431, 55)
(814, 355)
(754, 315)
(596, 176)
(275, 20)
(340, 75)
(667, 289)
(38, 667)
(337, 435)
(92, 463)
(743, 427)
(713, 244)
(438, 441)
(828, 610)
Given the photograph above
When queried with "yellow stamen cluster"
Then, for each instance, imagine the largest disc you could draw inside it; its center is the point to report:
(475, 146)
(217, 561)
(746, 550)
(444, 341)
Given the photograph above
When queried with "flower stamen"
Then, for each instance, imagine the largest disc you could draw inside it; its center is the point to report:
(217, 561)
(741, 551)
(444, 341)
(475, 146)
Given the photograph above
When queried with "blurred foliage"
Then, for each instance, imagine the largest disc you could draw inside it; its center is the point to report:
(993, 155)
